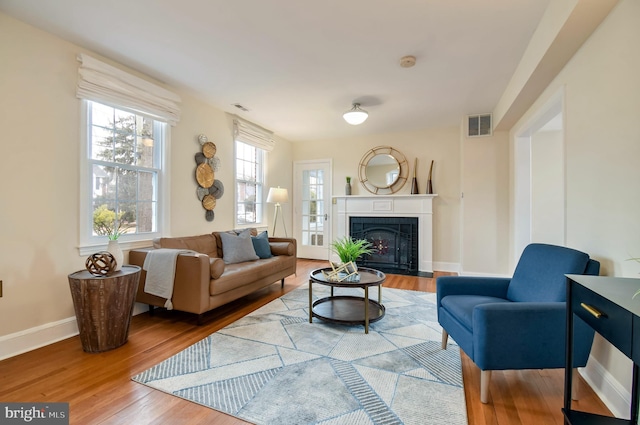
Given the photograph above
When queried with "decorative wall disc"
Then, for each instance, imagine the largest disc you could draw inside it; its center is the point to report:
(209, 149)
(204, 175)
(217, 189)
(209, 215)
(209, 202)
(215, 163)
(200, 158)
(202, 139)
(202, 192)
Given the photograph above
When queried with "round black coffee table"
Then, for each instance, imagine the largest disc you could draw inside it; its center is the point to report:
(348, 309)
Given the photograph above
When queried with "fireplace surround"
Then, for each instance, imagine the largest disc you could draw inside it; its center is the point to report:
(419, 207)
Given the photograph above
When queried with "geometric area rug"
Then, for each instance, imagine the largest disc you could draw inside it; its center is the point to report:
(274, 367)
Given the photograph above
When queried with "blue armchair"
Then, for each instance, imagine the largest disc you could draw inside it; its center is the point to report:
(518, 322)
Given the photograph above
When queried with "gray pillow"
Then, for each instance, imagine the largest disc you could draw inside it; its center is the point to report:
(237, 249)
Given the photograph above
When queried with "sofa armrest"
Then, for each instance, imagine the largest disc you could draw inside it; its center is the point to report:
(283, 246)
(191, 283)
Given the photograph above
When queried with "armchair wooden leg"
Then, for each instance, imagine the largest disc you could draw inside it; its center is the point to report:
(575, 383)
(445, 337)
(485, 378)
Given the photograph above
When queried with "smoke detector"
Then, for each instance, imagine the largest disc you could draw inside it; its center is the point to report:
(407, 61)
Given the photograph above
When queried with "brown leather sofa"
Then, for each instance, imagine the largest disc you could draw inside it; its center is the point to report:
(203, 282)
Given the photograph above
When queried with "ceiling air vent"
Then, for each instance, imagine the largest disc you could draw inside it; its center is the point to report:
(239, 106)
(479, 125)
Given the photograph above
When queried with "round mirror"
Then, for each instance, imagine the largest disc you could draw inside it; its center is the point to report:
(382, 170)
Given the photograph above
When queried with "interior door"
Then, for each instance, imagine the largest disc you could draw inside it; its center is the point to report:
(312, 206)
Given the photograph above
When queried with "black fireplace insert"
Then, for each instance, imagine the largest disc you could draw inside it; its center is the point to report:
(394, 242)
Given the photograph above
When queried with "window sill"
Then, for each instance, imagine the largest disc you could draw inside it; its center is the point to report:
(124, 245)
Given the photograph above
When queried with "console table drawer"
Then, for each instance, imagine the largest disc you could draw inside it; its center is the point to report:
(614, 323)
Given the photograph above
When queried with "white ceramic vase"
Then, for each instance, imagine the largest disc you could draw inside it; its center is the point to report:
(114, 249)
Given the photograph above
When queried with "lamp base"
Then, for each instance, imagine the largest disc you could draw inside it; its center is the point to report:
(275, 220)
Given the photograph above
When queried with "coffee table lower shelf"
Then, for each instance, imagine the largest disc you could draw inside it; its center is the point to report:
(346, 309)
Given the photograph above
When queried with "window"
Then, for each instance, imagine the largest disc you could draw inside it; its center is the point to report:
(249, 183)
(124, 178)
(124, 171)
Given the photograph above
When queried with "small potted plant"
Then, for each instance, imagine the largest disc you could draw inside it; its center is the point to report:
(347, 188)
(107, 223)
(349, 249)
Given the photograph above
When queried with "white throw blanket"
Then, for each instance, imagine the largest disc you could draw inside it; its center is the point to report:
(160, 265)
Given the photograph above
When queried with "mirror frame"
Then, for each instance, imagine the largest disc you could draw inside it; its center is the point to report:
(402, 176)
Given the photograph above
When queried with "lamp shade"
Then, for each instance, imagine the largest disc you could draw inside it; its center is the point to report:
(355, 115)
(277, 195)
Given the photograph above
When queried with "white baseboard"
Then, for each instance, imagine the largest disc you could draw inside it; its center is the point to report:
(446, 267)
(39, 336)
(613, 394)
(30, 339)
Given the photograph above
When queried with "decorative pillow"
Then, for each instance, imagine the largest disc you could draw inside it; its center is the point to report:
(261, 245)
(216, 267)
(237, 249)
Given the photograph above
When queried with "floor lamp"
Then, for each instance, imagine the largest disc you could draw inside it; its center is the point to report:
(278, 195)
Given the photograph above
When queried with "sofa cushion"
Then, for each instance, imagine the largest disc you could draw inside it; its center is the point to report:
(205, 244)
(237, 248)
(261, 245)
(246, 274)
(216, 267)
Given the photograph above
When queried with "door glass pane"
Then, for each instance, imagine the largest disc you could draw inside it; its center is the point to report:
(312, 208)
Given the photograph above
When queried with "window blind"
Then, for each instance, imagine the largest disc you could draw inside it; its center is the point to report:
(251, 134)
(107, 84)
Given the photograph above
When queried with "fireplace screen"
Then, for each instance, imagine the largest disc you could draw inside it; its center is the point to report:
(394, 242)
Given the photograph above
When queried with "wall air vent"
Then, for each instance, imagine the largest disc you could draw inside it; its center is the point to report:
(479, 125)
(239, 106)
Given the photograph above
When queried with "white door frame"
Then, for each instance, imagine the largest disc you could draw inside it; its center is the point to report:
(321, 253)
(524, 172)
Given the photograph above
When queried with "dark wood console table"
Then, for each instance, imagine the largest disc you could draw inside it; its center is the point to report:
(606, 304)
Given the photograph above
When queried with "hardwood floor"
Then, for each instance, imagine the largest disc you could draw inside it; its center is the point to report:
(99, 389)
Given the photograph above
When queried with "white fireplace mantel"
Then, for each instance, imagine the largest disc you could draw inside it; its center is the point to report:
(420, 206)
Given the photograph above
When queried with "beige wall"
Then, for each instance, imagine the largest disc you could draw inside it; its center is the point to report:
(602, 147)
(440, 145)
(547, 188)
(485, 206)
(39, 174)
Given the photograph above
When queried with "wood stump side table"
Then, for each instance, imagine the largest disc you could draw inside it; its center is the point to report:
(103, 307)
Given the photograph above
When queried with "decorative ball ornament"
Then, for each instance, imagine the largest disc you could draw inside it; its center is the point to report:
(101, 263)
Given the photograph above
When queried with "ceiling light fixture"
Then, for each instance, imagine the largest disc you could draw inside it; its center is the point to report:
(407, 61)
(355, 115)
